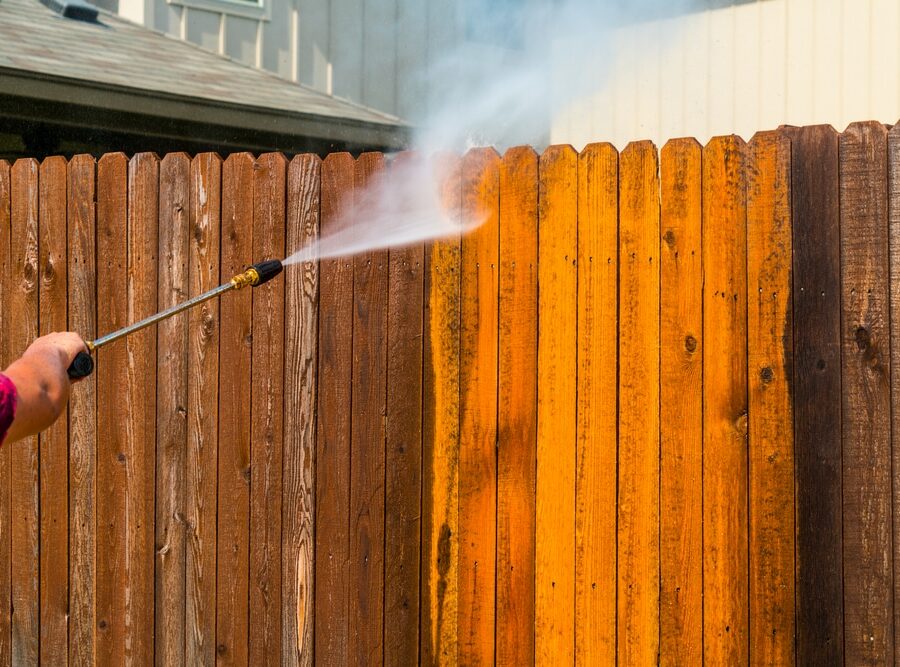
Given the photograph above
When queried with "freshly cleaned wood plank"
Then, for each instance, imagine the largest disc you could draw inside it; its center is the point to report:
(171, 410)
(597, 447)
(333, 427)
(638, 491)
(202, 358)
(681, 406)
(369, 373)
(24, 502)
(478, 408)
(6, 289)
(54, 459)
(403, 446)
(816, 390)
(770, 369)
(235, 312)
(267, 414)
(517, 416)
(440, 437)
(556, 405)
(725, 566)
(865, 390)
(300, 369)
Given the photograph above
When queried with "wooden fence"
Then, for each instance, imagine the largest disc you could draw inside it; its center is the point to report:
(644, 412)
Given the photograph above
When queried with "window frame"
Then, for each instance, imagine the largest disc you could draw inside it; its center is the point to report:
(261, 10)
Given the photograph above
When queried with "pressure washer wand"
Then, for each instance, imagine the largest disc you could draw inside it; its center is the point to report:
(257, 274)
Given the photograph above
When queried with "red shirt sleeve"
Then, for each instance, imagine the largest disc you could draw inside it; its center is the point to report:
(7, 405)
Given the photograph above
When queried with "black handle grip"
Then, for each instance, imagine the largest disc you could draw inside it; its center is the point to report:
(82, 366)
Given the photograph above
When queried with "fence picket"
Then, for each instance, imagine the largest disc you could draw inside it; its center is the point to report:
(6, 321)
(894, 248)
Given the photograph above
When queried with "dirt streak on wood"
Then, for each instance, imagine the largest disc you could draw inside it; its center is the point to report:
(235, 312)
(681, 406)
(597, 390)
(517, 419)
(267, 414)
(171, 410)
(300, 369)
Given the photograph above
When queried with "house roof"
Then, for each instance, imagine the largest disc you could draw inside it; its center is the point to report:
(46, 56)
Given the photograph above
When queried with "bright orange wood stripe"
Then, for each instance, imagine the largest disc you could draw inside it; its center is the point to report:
(557, 351)
(725, 599)
(517, 423)
(478, 407)
(440, 429)
(681, 406)
(595, 483)
(638, 545)
(770, 354)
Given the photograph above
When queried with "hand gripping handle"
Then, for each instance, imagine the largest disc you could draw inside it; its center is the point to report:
(82, 366)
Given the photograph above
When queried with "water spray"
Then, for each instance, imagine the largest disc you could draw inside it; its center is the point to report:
(256, 275)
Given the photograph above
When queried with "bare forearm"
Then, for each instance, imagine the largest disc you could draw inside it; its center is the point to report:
(42, 391)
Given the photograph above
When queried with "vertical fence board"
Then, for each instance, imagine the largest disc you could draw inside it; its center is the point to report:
(894, 247)
(597, 417)
(369, 373)
(638, 490)
(517, 419)
(866, 367)
(556, 405)
(816, 389)
(440, 425)
(333, 426)
(299, 485)
(233, 522)
(112, 265)
(681, 405)
(171, 410)
(478, 409)
(139, 445)
(202, 360)
(54, 468)
(725, 557)
(770, 352)
(267, 421)
(403, 448)
(6, 348)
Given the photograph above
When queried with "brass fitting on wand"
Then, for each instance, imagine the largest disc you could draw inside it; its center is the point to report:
(248, 277)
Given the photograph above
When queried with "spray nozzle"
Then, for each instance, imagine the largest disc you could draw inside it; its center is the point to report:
(257, 274)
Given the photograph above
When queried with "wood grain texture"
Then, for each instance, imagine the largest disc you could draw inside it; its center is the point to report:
(171, 409)
(369, 373)
(725, 566)
(202, 359)
(517, 409)
(403, 446)
(6, 289)
(816, 391)
(112, 377)
(894, 248)
(235, 312)
(597, 391)
(770, 369)
(267, 414)
(556, 405)
(681, 405)
(333, 427)
(82, 300)
(865, 384)
(478, 408)
(24, 501)
(638, 499)
(440, 426)
(300, 369)
(139, 392)
(54, 463)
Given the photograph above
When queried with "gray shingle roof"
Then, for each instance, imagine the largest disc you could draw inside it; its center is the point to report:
(118, 53)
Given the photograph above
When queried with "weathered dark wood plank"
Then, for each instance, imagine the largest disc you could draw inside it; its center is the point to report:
(816, 391)
(894, 247)
(6, 289)
(300, 371)
(866, 404)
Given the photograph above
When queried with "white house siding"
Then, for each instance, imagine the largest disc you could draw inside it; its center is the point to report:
(742, 69)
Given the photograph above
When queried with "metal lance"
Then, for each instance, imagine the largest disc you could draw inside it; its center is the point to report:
(256, 275)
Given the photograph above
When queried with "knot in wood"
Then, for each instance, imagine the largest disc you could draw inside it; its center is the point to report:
(741, 423)
(669, 238)
(690, 344)
(863, 339)
(766, 375)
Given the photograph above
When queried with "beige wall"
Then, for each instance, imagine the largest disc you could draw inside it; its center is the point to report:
(745, 68)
